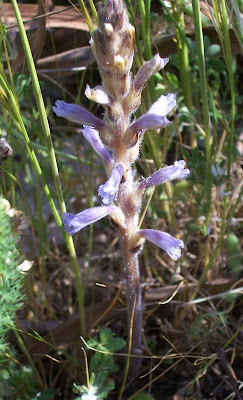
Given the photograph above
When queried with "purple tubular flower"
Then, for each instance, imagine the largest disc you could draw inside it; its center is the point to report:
(109, 190)
(166, 174)
(95, 141)
(165, 241)
(75, 222)
(155, 117)
(77, 114)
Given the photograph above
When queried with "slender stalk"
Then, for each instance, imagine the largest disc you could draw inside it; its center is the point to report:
(223, 33)
(70, 157)
(93, 9)
(27, 355)
(206, 118)
(173, 20)
(51, 152)
(145, 12)
(184, 65)
(134, 299)
(86, 15)
(139, 53)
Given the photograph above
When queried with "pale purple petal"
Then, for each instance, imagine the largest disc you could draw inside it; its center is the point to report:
(75, 222)
(77, 114)
(149, 121)
(165, 241)
(109, 190)
(155, 117)
(93, 137)
(176, 171)
(163, 105)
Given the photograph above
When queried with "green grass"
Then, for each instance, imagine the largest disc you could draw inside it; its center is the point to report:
(52, 169)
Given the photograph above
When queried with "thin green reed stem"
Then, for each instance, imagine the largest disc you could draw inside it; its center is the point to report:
(139, 52)
(70, 157)
(172, 19)
(93, 9)
(147, 38)
(222, 29)
(27, 355)
(203, 85)
(86, 15)
(185, 70)
(7, 57)
(51, 153)
(145, 11)
(229, 63)
(142, 11)
(223, 33)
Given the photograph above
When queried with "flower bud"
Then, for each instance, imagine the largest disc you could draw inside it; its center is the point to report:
(5, 149)
(97, 94)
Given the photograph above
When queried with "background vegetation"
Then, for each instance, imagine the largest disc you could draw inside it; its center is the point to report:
(55, 289)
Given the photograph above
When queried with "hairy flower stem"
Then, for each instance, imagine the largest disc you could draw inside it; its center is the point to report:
(134, 299)
(131, 268)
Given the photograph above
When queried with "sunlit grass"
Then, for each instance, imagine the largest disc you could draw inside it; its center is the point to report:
(204, 132)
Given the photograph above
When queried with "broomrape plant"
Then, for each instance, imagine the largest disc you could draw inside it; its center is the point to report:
(117, 139)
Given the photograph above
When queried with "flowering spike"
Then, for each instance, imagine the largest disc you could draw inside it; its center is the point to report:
(77, 114)
(113, 47)
(94, 139)
(75, 222)
(166, 174)
(109, 190)
(165, 241)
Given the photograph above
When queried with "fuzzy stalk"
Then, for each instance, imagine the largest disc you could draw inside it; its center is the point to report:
(134, 298)
(131, 265)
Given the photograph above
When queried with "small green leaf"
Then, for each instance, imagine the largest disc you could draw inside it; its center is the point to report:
(4, 374)
(213, 50)
(233, 253)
